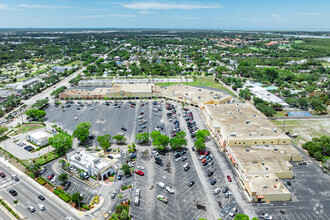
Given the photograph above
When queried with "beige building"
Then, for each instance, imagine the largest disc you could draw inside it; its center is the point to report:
(258, 151)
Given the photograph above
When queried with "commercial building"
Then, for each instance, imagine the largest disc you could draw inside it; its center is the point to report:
(39, 138)
(192, 95)
(257, 150)
(92, 164)
(262, 93)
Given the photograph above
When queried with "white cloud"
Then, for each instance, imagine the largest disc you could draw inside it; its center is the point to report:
(3, 7)
(146, 12)
(164, 6)
(306, 13)
(275, 16)
(106, 16)
(43, 6)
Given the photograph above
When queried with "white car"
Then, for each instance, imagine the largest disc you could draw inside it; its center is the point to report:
(169, 189)
(140, 167)
(53, 179)
(178, 159)
(41, 207)
(266, 216)
(186, 165)
(216, 191)
(202, 157)
(161, 185)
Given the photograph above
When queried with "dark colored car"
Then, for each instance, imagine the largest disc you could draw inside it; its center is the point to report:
(191, 183)
(41, 197)
(186, 168)
(67, 185)
(13, 192)
(124, 129)
(2, 174)
(225, 189)
(43, 170)
(184, 158)
(159, 162)
(120, 176)
(205, 163)
(210, 173)
(213, 182)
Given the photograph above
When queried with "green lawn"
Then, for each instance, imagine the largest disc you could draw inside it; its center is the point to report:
(257, 49)
(26, 128)
(201, 81)
(21, 79)
(279, 114)
(75, 63)
(43, 159)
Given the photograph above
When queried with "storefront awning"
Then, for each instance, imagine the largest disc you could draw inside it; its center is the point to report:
(260, 197)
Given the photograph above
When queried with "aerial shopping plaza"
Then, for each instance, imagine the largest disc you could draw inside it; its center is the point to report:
(258, 151)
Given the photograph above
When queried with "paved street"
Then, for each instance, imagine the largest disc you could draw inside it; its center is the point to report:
(28, 195)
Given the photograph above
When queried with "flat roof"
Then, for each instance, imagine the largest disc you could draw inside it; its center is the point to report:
(87, 159)
(266, 184)
(260, 159)
(192, 93)
(237, 121)
(39, 135)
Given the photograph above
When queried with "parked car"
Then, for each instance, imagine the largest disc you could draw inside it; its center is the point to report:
(43, 170)
(51, 176)
(186, 168)
(67, 185)
(161, 184)
(229, 178)
(203, 160)
(213, 182)
(162, 198)
(124, 129)
(120, 176)
(183, 158)
(266, 216)
(169, 189)
(224, 190)
(233, 212)
(2, 174)
(191, 183)
(216, 191)
(210, 173)
(139, 172)
(84, 175)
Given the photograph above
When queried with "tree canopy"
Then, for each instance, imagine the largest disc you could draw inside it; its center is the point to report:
(142, 138)
(35, 114)
(61, 142)
(82, 131)
(159, 140)
(104, 141)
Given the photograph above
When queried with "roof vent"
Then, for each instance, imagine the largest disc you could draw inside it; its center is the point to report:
(267, 175)
(250, 134)
(275, 130)
(254, 115)
(262, 163)
(247, 149)
(264, 186)
(199, 97)
(199, 89)
(96, 161)
(238, 110)
(247, 121)
(266, 168)
(232, 134)
(262, 134)
(77, 157)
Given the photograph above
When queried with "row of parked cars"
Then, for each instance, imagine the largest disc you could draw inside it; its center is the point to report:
(28, 148)
(191, 124)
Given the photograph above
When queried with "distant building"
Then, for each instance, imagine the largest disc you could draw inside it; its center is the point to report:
(62, 69)
(19, 86)
(39, 138)
(92, 164)
(272, 43)
(262, 93)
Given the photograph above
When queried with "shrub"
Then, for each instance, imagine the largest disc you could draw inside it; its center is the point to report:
(56, 192)
(86, 207)
(93, 177)
(64, 197)
(41, 181)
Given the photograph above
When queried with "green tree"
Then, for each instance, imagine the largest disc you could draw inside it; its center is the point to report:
(34, 168)
(40, 103)
(104, 141)
(3, 130)
(35, 114)
(241, 217)
(245, 94)
(61, 142)
(63, 177)
(82, 131)
(303, 102)
(159, 140)
(202, 134)
(142, 138)
(126, 169)
(200, 144)
(77, 198)
(119, 138)
(176, 143)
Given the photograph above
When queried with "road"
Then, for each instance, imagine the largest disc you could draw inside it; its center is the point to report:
(28, 195)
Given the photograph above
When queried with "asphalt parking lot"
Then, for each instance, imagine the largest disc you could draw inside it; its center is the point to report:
(106, 119)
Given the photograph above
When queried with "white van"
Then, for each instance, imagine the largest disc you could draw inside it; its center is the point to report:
(140, 117)
(136, 201)
(161, 185)
(162, 123)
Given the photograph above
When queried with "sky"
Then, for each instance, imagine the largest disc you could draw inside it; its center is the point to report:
(190, 14)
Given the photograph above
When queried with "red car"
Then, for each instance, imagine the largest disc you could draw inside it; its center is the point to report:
(142, 104)
(2, 174)
(50, 177)
(139, 172)
(201, 153)
(207, 153)
(229, 178)
(203, 160)
(132, 106)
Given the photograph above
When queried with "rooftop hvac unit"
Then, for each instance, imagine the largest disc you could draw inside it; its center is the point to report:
(262, 134)
(254, 115)
(275, 130)
(275, 149)
(262, 163)
(250, 134)
(199, 89)
(247, 121)
(267, 175)
(266, 168)
(232, 134)
(77, 157)
(247, 149)
(199, 97)
(96, 161)
(264, 186)
(238, 110)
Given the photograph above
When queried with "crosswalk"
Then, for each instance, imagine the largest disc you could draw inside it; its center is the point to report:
(92, 185)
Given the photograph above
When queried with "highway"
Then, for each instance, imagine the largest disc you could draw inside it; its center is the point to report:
(28, 195)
